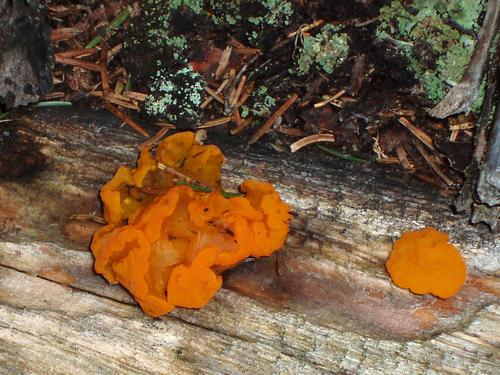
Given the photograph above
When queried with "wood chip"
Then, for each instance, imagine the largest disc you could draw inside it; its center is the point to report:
(310, 140)
(403, 158)
(223, 62)
(421, 135)
(270, 121)
(78, 63)
(330, 99)
(433, 165)
(122, 116)
(216, 122)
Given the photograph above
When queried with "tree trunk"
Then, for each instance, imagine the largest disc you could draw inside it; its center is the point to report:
(323, 304)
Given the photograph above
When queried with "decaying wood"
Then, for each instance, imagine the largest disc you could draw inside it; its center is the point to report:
(323, 305)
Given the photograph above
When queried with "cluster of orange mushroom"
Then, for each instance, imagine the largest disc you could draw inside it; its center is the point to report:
(166, 241)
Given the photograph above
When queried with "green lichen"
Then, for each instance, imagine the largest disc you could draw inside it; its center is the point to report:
(444, 27)
(262, 102)
(195, 5)
(265, 16)
(225, 13)
(328, 49)
(176, 96)
(245, 111)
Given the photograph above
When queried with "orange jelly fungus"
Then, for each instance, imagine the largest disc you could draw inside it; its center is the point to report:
(166, 243)
(425, 262)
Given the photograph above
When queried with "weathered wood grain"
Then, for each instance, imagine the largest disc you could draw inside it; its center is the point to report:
(325, 304)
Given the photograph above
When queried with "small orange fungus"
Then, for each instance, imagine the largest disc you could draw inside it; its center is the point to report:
(168, 243)
(424, 262)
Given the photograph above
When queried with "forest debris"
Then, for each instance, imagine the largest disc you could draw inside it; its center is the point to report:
(103, 64)
(246, 94)
(358, 75)
(81, 52)
(165, 124)
(247, 51)
(236, 94)
(117, 21)
(214, 95)
(462, 96)
(330, 99)
(310, 140)
(456, 128)
(52, 104)
(306, 28)
(53, 95)
(270, 121)
(403, 158)
(420, 134)
(114, 51)
(64, 33)
(342, 155)
(209, 100)
(154, 140)
(223, 62)
(113, 98)
(433, 165)
(242, 124)
(216, 122)
(88, 217)
(122, 116)
(237, 118)
(119, 87)
(78, 63)
(389, 160)
(234, 77)
(135, 95)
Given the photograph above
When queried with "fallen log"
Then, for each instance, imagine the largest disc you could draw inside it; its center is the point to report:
(323, 304)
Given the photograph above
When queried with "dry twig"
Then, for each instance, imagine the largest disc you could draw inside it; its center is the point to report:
(78, 63)
(420, 134)
(310, 140)
(270, 121)
(122, 116)
(433, 165)
(223, 62)
(154, 140)
(216, 122)
(330, 99)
